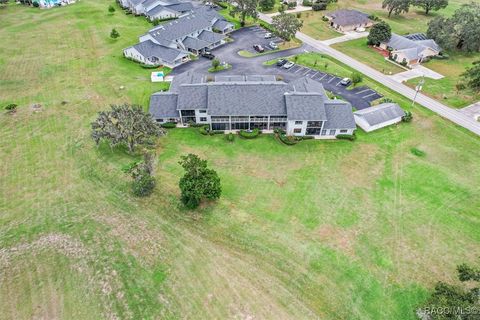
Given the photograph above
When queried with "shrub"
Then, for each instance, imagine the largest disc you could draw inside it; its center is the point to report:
(114, 34)
(222, 5)
(417, 152)
(356, 78)
(319, 6)
(205, 130)
(249, 134)
(351, 137)
(324, 19)
(12, 107)
(386, 100)
(307, 3)
(308, 137)
(291, 5)
(143, 185)
(230, 137)
(408, 117)
(149, 66)
(169, 125)
(111, 9)
(288, 140)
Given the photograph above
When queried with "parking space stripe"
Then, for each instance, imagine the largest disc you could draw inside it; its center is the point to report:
(323, 77)
(299, 69)
(338, 83)
(360, 92)
(331, 79)
(308, 70)
(315, 74)
(369, 95)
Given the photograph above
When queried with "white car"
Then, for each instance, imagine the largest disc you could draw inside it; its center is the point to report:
(273, 45)
(268, 35)
(288, 65)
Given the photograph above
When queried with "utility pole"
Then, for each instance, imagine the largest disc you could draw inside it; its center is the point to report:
(418, 88)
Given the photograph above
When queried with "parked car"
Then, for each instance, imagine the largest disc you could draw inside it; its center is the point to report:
(273, 45)
(268, 35)
(345, 82)
(281, 62)
(288, 65)
(258, 48)
(208, 55)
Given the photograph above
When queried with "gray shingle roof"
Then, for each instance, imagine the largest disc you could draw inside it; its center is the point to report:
(148, 3)
(192, 96)
(210, 36)
(194, 43)
(305, 106)
(163, 105)
(345, 17)
(179, 28)
(246, 98)
(222, 25)
(188, 77)
(151, 49)
(381, 113)
(307, 85)
(181, 7)
(154, 11)
(411, 48)
(339, 115)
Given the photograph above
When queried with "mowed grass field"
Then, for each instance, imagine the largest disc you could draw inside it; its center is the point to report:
(330, 230)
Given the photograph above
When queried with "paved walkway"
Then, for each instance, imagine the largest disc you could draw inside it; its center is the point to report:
(472, 111)
(416, 72)
(349, 35)
(429, 103)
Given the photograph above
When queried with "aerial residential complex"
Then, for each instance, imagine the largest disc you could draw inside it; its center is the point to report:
(47, 3)
(232, 103)
(171, 44)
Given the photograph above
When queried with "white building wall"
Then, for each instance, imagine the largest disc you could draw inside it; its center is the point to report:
(135, 55)
(368, 128)
(199, 115)
(291, 126)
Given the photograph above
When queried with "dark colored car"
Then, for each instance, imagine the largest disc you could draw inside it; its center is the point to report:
(208, 55)
(281, 62)
(258, 48)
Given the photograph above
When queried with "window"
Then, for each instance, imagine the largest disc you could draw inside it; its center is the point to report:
(203, 119)
(343, 131)
(324, 132)
(298, 122)
(332, 132)
(159, 120)
(297, 130)
(202, 111)
(313, 131)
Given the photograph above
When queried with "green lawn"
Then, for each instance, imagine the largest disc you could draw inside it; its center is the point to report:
(314, 26)
(445, 89)
(322, 229)
(359, 50)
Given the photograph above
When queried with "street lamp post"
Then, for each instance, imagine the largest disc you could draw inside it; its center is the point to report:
(418, 88)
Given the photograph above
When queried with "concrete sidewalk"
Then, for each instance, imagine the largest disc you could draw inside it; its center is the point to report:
(349, 35)
(416, 72)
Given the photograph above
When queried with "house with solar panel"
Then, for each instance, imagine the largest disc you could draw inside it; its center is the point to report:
(171, 43)
(411, 49)
(247, 102)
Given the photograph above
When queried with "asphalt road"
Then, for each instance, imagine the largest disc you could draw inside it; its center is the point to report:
(451, 114)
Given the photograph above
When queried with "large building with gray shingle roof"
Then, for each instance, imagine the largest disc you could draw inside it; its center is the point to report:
(348, 20)
(170, 44)
(238, 102)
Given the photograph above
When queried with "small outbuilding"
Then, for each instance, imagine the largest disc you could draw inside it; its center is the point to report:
(379, 116)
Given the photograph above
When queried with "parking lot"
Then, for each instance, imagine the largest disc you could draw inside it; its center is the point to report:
(245, 38)
(359, 97)
(258, 37)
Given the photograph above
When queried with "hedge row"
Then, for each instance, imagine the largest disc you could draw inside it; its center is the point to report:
(350, 137)
(169, 125)
(249, 134)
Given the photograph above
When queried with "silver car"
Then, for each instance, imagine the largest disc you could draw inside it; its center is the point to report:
(288, 65)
